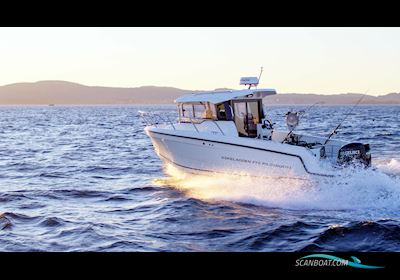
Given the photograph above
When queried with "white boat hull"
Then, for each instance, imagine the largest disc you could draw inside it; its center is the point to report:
(232, 155)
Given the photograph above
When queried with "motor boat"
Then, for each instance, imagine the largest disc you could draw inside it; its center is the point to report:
(227, 131)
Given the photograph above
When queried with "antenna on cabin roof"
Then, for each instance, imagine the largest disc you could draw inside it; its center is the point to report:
(259, 77)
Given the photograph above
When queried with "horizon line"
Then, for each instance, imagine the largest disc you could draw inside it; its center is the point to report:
(189, 90)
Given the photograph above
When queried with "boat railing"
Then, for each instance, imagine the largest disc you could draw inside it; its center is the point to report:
(155, 119)
(218, 127)
(194, 125)
(195, 121)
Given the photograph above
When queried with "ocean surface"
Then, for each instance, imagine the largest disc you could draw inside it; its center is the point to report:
(86, 178)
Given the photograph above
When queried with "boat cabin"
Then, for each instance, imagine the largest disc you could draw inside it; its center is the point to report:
(243, 107)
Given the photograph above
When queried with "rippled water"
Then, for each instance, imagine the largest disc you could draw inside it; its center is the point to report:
(87, 179)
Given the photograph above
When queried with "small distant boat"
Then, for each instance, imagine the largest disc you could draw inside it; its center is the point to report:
(51, 105)
(228, 132)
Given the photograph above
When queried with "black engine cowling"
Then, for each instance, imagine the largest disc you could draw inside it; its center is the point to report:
(354, 153)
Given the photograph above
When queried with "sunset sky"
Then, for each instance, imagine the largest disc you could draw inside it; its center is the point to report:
(300, 60)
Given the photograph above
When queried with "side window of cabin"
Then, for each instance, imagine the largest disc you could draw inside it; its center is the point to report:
(199, 111)
(221, 113)
(187, 110)
(253, 112)
(210, 112)
(247, 116)
(240, 115)
(224, 111)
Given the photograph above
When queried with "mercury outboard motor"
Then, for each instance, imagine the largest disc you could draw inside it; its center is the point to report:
(355, 153)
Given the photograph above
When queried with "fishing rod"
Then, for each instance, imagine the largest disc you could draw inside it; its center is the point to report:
(348, 114)
(309, 108)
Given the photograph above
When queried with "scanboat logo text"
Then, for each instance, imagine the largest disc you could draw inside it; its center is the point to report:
(329, 260)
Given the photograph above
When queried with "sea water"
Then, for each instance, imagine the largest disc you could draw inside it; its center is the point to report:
(86, 178)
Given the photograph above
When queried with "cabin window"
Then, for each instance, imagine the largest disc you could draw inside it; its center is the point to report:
(247, 116)
(224, 111)
(187, 110)
(253, 112)
(240, 113)
(199, 110)
(221, 113)
(210, 112)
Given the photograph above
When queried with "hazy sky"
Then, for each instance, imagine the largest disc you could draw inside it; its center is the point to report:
(301, 60)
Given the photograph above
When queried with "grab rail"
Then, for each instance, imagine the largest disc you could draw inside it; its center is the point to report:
(155, 119)
(218, 127)
(194, 125)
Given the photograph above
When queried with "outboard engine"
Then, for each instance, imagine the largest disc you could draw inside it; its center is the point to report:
(354, 153)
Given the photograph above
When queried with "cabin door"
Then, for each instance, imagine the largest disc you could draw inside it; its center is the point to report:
(247, 116)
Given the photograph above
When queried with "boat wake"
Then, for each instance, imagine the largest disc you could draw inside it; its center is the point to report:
(391, 167)
(374, 191)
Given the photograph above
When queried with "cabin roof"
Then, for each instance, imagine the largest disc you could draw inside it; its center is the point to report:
(222, 96)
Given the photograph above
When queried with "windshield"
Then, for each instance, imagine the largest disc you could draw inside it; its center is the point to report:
(196, 111)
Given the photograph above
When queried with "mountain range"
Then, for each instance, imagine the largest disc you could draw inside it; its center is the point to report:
(62, 92)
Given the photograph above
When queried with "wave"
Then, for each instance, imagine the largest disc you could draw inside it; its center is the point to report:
(371, 191)
(382, 235)
(9, 219)
(52, 222)
(391, 166)
(5, 222)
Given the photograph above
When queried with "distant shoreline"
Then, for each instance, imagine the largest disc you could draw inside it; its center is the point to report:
(47, 93)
